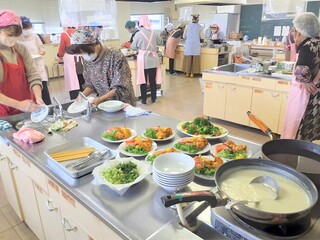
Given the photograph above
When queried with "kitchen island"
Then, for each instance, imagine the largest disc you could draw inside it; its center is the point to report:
(229, 95)
(44, 198)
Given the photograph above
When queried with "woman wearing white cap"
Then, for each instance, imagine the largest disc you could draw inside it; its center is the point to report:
(20, 82)
(105, 71)
(165, 33)
(302, 119)
(214, 32)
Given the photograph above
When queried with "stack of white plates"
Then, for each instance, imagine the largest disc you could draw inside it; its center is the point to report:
(173, 171)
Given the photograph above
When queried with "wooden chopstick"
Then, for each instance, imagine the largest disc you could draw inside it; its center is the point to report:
(72, 154)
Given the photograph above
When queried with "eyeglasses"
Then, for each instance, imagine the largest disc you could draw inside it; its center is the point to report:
(293, 29)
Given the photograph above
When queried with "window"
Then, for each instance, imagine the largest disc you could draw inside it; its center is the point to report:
(157, 20)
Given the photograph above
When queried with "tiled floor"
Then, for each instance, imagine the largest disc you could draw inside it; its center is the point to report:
(181, 99)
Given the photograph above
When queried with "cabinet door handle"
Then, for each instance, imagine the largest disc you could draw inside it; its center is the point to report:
(50, 205)
(233, 88)
(2, 157)
(275, 95)
(67, 226)
(12, 166)
(220, 86)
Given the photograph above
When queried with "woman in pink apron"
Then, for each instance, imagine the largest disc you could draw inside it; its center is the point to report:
(148, 66)
(20, 83)
(302, 119)
(172, 43)
(72, 83)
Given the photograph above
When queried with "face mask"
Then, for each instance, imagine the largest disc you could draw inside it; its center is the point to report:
(89, 57)
(8, 41)
(215, 31)
(27, 32)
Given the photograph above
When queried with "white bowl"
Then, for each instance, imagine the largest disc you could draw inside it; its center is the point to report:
(111, 106)
(173, 164)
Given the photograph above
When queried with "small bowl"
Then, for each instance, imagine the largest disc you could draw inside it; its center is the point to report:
(173, 164)
(111, 106)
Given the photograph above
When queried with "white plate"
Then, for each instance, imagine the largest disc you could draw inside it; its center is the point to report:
(225, 131)
(122, 146)
(206, 177)
(213, 151)
(206, 149)
(77, 107)
(104, 106)
(133, 134)
(159, 140)
(153, 152)
(40, 115)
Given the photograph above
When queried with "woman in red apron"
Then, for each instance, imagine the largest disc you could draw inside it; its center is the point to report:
(20, 83)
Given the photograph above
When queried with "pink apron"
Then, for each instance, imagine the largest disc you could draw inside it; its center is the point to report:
(293, 51)
(298, 100)
(171, 45)
(70, 74)
(140, 63)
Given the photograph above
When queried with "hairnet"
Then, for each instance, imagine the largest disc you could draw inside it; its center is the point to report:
(307, 24)
(215, 26)
(182, 25)
(195, 17)
(84, 36)
(130, 24)
(8, 18)
(26, 22)
(169, 27)
(145, 22)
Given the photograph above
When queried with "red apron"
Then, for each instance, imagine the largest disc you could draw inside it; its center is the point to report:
(14, 85)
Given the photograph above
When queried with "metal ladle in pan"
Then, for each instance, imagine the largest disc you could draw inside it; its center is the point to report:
(264, 181)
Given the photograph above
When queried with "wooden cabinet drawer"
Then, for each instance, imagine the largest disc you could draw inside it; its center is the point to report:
(259, 82)
(283, 85)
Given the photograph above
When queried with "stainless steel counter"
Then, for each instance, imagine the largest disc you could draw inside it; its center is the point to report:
(139, 213)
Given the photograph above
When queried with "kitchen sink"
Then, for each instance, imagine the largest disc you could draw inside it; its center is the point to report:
(18, 120)
(233, 67)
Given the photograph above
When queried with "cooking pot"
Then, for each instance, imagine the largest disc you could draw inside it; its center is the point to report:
(289, 151)
(245, 211)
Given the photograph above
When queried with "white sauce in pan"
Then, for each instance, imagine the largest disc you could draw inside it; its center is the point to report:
(292, 197)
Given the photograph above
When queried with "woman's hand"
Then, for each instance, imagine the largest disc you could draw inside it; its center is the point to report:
(310, 87)
(28, 106)
(42, 52)
(96, 101)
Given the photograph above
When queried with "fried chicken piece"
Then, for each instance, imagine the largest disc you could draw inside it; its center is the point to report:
(239, 147)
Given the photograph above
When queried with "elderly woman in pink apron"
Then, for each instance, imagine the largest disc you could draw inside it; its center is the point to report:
(302, 119)
(148, 65)
(73, 79)
(171, 45)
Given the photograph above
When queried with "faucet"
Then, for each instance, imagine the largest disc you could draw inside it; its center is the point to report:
(88, 108)
(60, 115)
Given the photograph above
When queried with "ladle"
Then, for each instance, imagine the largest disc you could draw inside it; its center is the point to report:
(265, 181)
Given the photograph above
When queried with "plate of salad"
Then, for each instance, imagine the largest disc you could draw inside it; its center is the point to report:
(120, 174)
(192, 145)
(152, 155)
(137, 147)
(159, 133)
(231, 151)
(201, 126)
(118, 134)
(206, 166)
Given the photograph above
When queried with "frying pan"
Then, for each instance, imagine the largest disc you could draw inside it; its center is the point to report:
(253, 214)
(288, 151)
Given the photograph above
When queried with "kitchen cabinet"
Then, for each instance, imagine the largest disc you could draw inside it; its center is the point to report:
(178, 60)
(50, 215)
(266, 105)
(28, 201)
(8, 180)
(73, 230)
(238, 102)
(215, 98)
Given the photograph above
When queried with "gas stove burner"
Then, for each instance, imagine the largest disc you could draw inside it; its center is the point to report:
(280, 231)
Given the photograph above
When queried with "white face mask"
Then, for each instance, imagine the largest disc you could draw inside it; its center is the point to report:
(89, 57)
(27, 32)
(7, 41)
